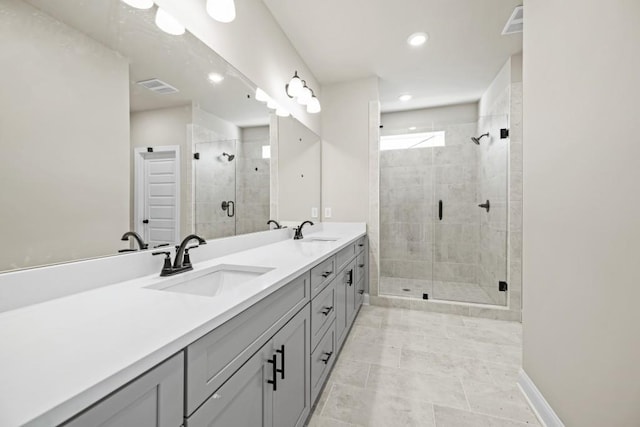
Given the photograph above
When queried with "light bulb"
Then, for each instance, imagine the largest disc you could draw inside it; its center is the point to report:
(221, 10)
(139, 4)
(261, 95)
(405, 98)
(304, 96)
(168, 23)
(313, 106)
(418, 39)
(282, 112)
(295, 86)
(215, 77)
(271, 104)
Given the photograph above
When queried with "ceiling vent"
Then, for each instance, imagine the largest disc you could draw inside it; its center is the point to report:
(158, 86)
(514, 24)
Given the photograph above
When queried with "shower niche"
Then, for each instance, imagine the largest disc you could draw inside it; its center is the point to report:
(443, 212)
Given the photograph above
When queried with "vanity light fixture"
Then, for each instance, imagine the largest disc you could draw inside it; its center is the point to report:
(168, 23)
(139, 4)
(281, 112)
(222, 10)
(271, 104)
(417, 39)
(404, 98)
(215, 77)
(297, 88)
(261, 95)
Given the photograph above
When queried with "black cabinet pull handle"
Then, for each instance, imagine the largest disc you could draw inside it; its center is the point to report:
(350, 277)
(361, 245)
(440, 210)
(281, 370)
(327, 310)
(361, 291)
(327, 274)
(361, 265)
(274, 372)
(145, 221)
(325, 361)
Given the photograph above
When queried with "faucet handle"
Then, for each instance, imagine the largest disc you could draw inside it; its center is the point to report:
(186, 261)
(167, 260)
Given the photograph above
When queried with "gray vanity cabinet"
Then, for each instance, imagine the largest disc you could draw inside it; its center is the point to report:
(271, 389)
(345, 304)
(153, 400)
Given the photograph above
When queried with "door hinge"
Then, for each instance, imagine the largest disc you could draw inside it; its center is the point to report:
(502, 286)
(149, 149)
(196, 156)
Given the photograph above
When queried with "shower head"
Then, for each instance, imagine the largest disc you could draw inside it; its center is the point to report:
(476, 140)
(229, 156)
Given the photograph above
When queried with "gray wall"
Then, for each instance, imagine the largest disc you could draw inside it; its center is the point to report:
(64, 120)
(582, 209)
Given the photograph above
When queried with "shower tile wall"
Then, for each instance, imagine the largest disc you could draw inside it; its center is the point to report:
(253, 185)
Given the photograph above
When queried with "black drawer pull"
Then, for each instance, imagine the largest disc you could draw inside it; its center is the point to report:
(281, 370)
(361, 244)
(350, 277)
(274, 371)
(361, 265)
(325, 361)
(361, 291)
(327, 274)
(327, 310)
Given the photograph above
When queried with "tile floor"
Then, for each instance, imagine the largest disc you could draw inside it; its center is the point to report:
(414, 368)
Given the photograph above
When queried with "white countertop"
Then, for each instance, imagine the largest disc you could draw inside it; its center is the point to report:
(60, 356)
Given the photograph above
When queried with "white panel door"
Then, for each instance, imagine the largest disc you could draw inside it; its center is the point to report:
(161, 198)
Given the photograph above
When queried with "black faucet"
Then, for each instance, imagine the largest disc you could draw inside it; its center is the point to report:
(182, 262)
(137, 237)
(298, 235)
(273, 221)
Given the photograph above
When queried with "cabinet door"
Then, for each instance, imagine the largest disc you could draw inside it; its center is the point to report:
(153, 400)
(245, 400)
(291, 399)
(341, 308)
(349, 279)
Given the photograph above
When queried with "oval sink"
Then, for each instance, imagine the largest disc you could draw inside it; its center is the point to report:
(215, 281)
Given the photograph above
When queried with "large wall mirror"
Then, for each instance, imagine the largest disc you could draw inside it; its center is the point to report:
(108, 124)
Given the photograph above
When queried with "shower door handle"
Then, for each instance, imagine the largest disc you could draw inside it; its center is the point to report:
(440, 209)
(231, 212)
(486, 205)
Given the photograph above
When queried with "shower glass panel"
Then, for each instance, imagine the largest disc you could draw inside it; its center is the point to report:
(215, 189)
(435, 241)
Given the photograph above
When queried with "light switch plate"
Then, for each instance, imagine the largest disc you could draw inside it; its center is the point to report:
(314, 212)
(327, 212)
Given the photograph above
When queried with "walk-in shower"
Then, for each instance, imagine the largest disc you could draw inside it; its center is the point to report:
(443, 214)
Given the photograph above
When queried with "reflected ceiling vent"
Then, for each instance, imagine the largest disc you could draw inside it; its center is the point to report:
(514, 24)
(158, 86)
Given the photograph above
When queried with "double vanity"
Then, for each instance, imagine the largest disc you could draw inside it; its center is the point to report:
(244, 339)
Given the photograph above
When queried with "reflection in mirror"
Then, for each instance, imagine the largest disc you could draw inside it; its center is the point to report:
(298, 172)
(102, 114)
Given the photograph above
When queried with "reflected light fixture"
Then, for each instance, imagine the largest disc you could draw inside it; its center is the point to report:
(168, 23)
(271, 104)
(305, 94)
(413, 128)
(222, 10)
(215, 77)
(294, 86)
(281, 112)
(261, 95)
(405, 97)
(417, 39)
(139, 4)
(314, 105)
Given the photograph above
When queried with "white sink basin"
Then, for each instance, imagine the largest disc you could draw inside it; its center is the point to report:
(215, 281)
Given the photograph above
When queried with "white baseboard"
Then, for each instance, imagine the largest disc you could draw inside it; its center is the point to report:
(545, 413)
(365, 301)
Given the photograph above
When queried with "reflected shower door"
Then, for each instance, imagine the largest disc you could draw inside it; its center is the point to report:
(215, 189)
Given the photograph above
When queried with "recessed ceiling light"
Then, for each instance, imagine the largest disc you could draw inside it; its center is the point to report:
(418, 39)
(413, 128)
(215, 77)
(405, 98)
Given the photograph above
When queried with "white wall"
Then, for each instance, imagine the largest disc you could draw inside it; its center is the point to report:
(426, 118)
(345, 148)
(255, 45)
(65, 183)
(582, 208)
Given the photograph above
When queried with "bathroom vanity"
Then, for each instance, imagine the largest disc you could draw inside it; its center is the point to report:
(245, 339)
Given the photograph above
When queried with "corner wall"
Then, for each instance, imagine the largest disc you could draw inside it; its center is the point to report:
(582, 209)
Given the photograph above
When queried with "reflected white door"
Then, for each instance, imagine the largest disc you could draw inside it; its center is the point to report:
(157, 216)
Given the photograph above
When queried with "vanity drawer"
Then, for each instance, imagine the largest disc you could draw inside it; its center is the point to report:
(360, 267)
(322, 360)
(345, 255)
(322, 274)
(216, 356)
(323, 313)
(360, 244)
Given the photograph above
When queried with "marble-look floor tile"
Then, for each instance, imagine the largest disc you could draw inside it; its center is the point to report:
(503, 373)
(450, 417)
(384, 336)
(444, 364)
(319, 421)
(484, 336)
(407, 324)
(445, 390)
(363, 351)
(444, 345)
(350, 372)
(373, 409)
(500, 400)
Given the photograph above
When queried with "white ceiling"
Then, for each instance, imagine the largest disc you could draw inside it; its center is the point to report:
(182, 61)
(342, 40)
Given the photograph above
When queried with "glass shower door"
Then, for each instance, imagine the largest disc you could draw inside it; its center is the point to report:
(215, 189)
